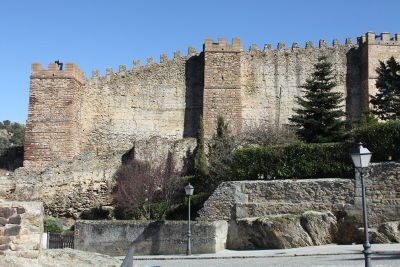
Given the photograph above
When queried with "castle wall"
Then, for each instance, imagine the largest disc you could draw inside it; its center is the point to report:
(69, 115)
(162, 99)
(271, 79)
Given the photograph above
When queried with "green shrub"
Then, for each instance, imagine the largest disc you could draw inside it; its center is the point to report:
(297, 161)
(180, 211)
(52, 225)
(382, 139)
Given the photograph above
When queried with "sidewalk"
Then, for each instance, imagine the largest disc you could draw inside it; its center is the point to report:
(304, 251)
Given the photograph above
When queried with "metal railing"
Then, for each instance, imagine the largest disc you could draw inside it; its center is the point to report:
(60, 240)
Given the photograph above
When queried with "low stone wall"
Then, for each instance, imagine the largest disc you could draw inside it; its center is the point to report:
(156, 237)
(242, 199)
(382, 182)
(21, 228)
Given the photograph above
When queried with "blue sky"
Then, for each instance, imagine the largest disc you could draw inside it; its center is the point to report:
(100, 34)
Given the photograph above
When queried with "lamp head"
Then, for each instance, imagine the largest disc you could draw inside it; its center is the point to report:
(361, 156)
(189, 189)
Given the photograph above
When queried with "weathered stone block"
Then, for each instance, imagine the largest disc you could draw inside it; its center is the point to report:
(4, 247)
(3, 221)
(15, 219)
(4, 240)
(20, 210)
(6, 212)
(12, 230)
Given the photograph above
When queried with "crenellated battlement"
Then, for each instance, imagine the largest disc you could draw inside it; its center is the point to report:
(383, 39)
(322, 44)
(137, 66)
(52, 71)
(222, 46)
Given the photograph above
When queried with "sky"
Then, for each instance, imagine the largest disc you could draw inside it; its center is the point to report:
(97, 34)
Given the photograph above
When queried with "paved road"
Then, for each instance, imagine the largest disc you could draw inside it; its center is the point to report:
(348, 260)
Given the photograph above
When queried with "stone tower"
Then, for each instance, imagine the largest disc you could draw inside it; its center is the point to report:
(375, 48)
(222, 94)
(52, 127)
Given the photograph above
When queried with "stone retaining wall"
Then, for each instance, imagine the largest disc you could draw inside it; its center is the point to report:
(21, 228)
(242, 199)
(155, 237)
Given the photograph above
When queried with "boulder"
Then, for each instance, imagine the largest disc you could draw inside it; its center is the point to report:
(375, 237)
(321, 226)
(390, 230)
(349, 223)
(282, 231)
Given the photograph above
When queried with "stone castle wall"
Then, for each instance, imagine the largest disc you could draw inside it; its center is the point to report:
(69, 115)
(162, 99)
(271, 79)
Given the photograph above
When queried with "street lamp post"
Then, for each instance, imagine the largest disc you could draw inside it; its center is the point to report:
(361, 157)
(189, 192)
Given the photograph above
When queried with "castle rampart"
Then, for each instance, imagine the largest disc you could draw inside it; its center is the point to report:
(70, 114)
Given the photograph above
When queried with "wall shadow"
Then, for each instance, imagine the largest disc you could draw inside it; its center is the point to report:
(353, 84)
(12, 158)
(194, 73)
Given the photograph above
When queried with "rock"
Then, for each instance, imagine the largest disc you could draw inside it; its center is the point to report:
(348, 224)
(374, 236)
(321, 226)
(12, 230)
(61, 258)
(3, 221)
(15, 220)
(269, 232)
(6, 212)
(390, 230)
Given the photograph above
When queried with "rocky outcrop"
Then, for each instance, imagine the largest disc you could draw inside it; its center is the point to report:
(321, 226)
(62, 258)
(282, 231)
(308, 229)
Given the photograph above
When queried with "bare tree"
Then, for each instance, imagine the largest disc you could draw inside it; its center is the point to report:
(266, 134)
(140, 184)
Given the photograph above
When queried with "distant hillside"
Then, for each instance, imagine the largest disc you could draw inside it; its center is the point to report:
(11, 144)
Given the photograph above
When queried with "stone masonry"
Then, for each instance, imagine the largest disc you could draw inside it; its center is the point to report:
(21, 228)
(243, 199)
(222, 94)
(70, 114)
(116, 238)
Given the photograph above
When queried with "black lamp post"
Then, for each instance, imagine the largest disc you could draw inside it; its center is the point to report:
(189, 192)
(361, 157)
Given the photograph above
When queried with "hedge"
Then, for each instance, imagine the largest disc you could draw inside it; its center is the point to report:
(382, 139)
(295, 161)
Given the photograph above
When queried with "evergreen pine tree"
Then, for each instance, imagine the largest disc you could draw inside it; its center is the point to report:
(386, 103)
(320, 118)
(200, 158)
(220, 156)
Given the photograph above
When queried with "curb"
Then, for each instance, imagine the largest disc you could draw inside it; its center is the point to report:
(194, 257)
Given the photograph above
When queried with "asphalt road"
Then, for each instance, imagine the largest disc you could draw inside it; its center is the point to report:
(348, 260)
